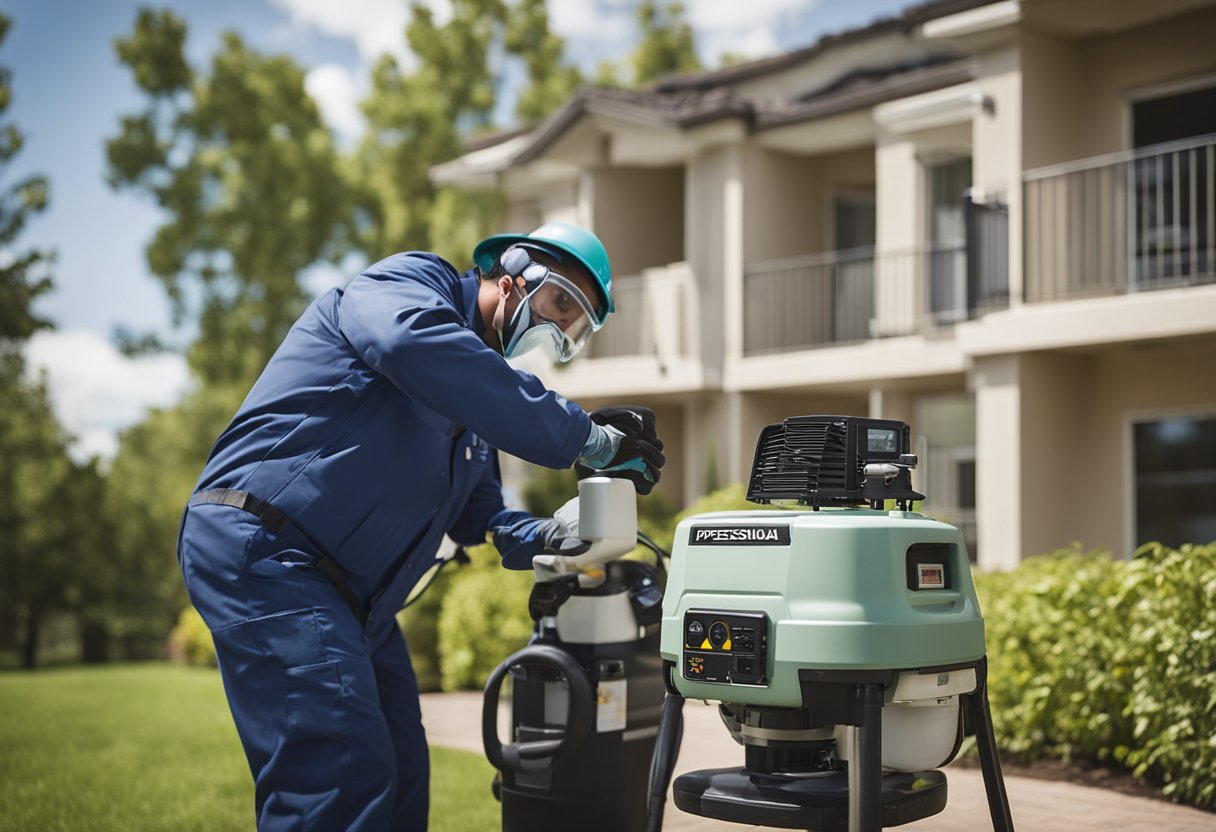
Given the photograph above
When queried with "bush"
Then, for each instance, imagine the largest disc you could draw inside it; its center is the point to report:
(190, 641)
(420, 624)
(484, 618)
(1111, 660)
(731, 498)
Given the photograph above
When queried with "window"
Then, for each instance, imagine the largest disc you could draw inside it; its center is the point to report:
(945, 428)
(1175, 480)
(1171, 188)
(947, 231)
(1168, 118)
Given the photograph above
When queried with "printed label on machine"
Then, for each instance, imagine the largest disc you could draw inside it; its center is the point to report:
(734, 535)
(610, 697)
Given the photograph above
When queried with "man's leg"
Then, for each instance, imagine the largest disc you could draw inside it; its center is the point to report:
(298, 675)
(398, 688)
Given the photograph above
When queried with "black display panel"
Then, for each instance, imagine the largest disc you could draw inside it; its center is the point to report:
(726, 647)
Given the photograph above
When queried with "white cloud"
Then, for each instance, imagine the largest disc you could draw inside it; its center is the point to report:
(609, 27)
(337, 94)
(376, 27)
(96, 391)
(599, 20)
(748, 29)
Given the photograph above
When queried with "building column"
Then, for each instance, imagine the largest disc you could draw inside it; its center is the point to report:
(891, 404)
(996, 382)
(732, 254)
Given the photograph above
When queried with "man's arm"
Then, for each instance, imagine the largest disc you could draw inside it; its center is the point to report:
(404, 326)
(518, 535)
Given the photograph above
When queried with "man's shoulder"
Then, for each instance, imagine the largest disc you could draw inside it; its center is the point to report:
(414, 265)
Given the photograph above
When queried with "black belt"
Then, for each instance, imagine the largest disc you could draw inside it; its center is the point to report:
(276, 521)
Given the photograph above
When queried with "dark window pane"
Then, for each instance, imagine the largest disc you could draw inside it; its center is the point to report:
(1176, 480)
(966, 483)
(1174, 117)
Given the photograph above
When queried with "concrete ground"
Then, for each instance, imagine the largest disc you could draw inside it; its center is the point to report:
(453, 720)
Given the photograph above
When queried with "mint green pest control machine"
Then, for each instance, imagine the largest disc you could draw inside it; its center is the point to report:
(840, 636)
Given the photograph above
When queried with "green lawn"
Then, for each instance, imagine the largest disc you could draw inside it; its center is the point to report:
(152, 747)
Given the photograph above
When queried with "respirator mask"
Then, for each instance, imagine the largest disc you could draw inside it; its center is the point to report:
(553, 315)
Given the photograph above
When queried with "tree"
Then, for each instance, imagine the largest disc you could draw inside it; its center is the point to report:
(416, 120)
(665, 47)
(551, 81)
(138, 595)
(23, 277)
(239, 159)
(36, 475)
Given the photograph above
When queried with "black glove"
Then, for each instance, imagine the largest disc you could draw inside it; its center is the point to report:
(631, 420)
(639, 455)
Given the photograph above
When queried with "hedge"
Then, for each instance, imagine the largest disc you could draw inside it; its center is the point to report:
(1111, 660)
(1089, 656)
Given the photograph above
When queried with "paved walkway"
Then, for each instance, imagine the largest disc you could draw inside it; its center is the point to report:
(453, 720)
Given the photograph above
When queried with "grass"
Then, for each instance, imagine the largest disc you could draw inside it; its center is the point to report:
(152, 747)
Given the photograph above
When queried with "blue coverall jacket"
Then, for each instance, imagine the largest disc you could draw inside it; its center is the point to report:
(373, 429)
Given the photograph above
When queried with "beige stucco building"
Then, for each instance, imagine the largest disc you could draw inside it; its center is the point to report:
(993, 220)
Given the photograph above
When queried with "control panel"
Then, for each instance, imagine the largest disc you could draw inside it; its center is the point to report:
(727, 647)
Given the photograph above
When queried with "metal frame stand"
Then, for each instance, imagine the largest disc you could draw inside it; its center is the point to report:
(977, 706)
(865, 763)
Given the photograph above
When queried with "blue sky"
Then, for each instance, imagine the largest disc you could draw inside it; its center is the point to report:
(69, 92)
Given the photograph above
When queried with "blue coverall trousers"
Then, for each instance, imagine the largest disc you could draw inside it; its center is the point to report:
(328, 714)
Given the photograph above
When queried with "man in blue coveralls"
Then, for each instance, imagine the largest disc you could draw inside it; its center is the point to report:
(370, 434)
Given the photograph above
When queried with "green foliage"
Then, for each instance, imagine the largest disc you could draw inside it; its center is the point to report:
(1111, 660)
(23, 276)
(420, 624)
(550, 81)
(46, 498)
(666, 45)
(148, 484)
(240, 162)
(47, 565)
(415, 120)
(190, 642)
(152, 747)
(483, 620)
(548, 489)
(731, 498)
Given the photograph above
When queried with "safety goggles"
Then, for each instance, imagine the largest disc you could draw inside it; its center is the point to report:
(554, 314)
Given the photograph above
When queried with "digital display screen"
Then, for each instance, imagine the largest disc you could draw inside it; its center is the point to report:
(882, 440)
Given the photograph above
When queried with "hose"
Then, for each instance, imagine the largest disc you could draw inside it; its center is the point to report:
(663, 763)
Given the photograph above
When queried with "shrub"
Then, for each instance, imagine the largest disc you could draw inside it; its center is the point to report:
(420, 624)
(484, 618)
(731, 498)
(1109, 659)
(190, 641)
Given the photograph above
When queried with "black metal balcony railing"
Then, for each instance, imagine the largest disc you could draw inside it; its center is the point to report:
(849, 296)
(1126, 222)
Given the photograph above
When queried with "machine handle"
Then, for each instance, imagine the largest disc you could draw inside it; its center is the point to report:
(536, 756)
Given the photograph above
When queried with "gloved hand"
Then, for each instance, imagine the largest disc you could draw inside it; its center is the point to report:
(631, 420)
(623, 443)
(519, 537)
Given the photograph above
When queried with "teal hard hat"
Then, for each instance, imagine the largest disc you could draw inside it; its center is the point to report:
(566, 238)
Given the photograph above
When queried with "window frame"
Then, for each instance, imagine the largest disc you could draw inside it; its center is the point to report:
(1131, 418)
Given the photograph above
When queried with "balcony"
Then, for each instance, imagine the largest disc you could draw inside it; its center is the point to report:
(1128, 222)
(653, 316)
(649, 347)
(844, 297)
